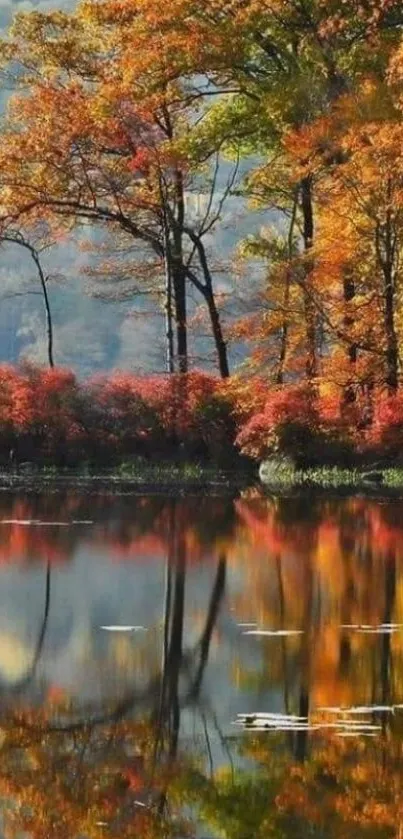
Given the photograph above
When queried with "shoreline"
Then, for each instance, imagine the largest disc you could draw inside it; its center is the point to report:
(180, 480)
(145, 481)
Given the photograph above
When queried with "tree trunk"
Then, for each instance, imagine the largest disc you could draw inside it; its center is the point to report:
(46, 301)
(392, 350)
(220, 344)
(206, 289)
(179, 277)
(309, 306)
(284, 333)
(169, 334)
(286, 300)
(386, 251)
(179, 294)
(349, 394)
(49, 324)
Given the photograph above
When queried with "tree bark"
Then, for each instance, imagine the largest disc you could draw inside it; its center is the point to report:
(286, 300)
(179, 277)
(48, 312)
(206, 289)
(220, 344)
(349, 394)
(179, 293)
(392, 350)
(284, 333)
(169, 334)
(309, 307)
(386, 245)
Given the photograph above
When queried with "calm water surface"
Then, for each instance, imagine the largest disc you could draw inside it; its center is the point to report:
(201, 668)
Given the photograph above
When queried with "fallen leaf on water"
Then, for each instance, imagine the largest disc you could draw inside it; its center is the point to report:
(359, 709)
(119, 628)
(274, 632)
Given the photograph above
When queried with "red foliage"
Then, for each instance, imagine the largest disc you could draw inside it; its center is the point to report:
(286, 409)
(47, 414)
(301, 421)
(386, 431)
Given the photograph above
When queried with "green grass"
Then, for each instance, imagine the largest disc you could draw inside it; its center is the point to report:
(138, 472)
(334, 477)
(393, 477)
(142, 473)
(168, 472)
(329, 476)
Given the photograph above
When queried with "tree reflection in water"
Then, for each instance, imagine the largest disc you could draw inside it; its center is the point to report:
(69, 771)
(331, 569)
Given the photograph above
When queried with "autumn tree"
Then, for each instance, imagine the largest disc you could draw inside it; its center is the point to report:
(123, 157)
(295, 61)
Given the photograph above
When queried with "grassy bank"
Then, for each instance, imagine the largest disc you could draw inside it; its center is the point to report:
(132, 477)
(182, 478)
(371, 480)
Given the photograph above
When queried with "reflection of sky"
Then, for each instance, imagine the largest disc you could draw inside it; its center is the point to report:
(92, 664)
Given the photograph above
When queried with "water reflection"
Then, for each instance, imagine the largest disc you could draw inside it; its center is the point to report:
(250, 683)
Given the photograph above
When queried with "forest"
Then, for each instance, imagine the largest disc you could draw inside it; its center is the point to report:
(121, 119)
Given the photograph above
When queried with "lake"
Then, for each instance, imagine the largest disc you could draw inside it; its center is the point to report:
(201, 667)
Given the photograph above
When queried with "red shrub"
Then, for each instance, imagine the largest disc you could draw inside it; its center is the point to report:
(120, 418)
(300, 421)
(386, 431)
(155, 415)
(11, 391)
(285, 425)
(47, 414)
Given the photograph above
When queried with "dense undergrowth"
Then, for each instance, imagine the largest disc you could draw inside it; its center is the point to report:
(48, 417)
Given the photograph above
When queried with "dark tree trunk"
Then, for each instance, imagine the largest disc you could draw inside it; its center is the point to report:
(179, 277)
(169, 334)
(309, 306)
(179, 289)
(386, 251)
(220, 344)
(286, 300)
(284, 333)
(46, 301)
(49, 323)
(392, 350)
(207, 291)
(349, 395)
